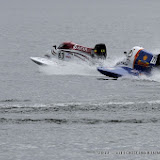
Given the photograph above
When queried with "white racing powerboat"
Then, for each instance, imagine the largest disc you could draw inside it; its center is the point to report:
(69, 51)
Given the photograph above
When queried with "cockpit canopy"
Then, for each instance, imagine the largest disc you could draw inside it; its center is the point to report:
(66, 45)
(133, 51)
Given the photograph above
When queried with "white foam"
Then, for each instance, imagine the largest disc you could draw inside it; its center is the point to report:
(155, 75)
(85, 69)
(81, 104)
(73, 68)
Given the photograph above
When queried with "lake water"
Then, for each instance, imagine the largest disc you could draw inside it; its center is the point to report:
(74, 112)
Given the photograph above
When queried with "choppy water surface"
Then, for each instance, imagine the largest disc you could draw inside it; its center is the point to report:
(71, 111)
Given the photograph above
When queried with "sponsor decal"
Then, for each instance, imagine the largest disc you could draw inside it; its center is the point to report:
(145, 58)
(80, 48)
(68, 56)
(103, 50)
(144, 64)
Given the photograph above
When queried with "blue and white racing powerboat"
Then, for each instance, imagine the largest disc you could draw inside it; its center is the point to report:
(138, 62)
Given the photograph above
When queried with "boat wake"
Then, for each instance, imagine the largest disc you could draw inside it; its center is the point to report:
(73, 68)
(85, 69)
(78, 113)
(154, 77)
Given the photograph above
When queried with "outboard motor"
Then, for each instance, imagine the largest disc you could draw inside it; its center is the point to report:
(100, 51)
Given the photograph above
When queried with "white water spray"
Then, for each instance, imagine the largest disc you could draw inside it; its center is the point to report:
(74, 68)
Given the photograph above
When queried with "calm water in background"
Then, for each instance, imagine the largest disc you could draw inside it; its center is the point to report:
(71, 113)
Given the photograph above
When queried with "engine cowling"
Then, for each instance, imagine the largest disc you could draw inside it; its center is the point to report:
(100, 51)
(158, 60)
